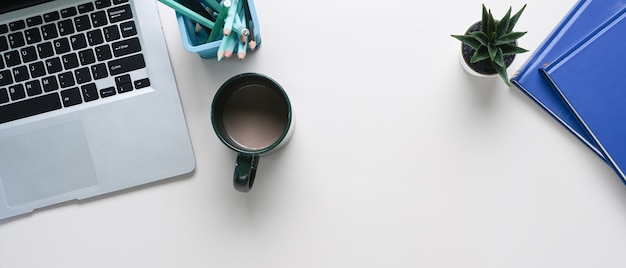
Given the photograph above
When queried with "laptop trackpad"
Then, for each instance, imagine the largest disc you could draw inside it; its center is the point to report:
(45, 163)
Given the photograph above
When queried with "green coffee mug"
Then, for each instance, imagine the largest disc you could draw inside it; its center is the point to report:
(252, 115)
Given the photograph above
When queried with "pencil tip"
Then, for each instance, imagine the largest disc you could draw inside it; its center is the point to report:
(241, 56)
(227, 31)
(252, 44)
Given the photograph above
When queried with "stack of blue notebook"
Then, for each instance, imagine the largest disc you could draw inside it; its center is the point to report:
(578, 75)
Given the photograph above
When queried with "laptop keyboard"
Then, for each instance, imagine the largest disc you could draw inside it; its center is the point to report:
(68, 57)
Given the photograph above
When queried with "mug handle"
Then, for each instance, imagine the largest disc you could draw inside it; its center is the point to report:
(245, 171)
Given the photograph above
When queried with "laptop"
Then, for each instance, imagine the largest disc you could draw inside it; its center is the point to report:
(88, 102)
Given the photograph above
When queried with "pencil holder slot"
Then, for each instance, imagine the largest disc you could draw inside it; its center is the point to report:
(195, 41)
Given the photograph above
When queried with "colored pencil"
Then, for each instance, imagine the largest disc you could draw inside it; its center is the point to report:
(230, 19)
(230, 45)
(188, 13)
(219, 22)
(250, 25)
(239, 26)
(212, 4)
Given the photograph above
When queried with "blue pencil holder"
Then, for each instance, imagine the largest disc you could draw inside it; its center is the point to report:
(194, 42)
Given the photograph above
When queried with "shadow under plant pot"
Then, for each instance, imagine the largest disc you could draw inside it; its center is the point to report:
(481, 68)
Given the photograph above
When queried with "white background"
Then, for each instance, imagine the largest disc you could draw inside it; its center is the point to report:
(399, 159)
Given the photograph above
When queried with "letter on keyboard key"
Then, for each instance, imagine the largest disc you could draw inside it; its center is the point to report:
(126, 64)
(28, 107)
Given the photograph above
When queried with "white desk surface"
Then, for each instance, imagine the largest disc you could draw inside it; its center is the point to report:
(399, 159)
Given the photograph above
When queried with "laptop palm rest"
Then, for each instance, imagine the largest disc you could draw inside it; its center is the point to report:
(29, 173)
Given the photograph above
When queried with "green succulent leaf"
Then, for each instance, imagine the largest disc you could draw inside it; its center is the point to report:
(493, 50)
(492, 23)
(468, 40)
(481, 54)
(502, 72)
(481, 37)
(508, 38)
(485, 20)
(502, 26)
(508, 49)
(499, 58)
(514, 19)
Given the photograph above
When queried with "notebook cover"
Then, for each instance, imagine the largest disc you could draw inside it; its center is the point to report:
(591, 79)
(583, 18)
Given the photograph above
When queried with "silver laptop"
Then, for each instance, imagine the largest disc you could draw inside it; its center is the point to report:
(88, 102)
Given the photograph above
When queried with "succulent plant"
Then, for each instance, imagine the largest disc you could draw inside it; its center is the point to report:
(494, 40)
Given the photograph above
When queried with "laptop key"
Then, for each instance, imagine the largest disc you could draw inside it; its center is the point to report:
(111, 33)
(29, 107)
(4, 95)
(122, 88)
(17, 25)
(37, 69)
(90, 92)
(66, 79)
(98, 19)
(103, 52)
(122, 79)
(17, 92)
(99, 71)
(66, 27)
(20, 73)
(4, 45)
(120, 13)
(29, 54)
(107, 92)
(61, 45)
(128, 28)
(94, 37)
(141, 83)
(82, 75)
(54, 65)
(34, 21)
(5, 78)
(16, 40)
(127, 64)
(102, 3)
(82, 23)
(33, 88)
(12, 58)
(125, 47)
(84, 8)
(68, 12)
(32, 35)
(51, 16)
(49, 31)
(50, 83)
(78, 41)
(45, 50)
(86, 57)
(70, 61)
(71, 97)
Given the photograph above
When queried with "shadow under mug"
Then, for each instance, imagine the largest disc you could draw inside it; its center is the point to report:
(252, 115)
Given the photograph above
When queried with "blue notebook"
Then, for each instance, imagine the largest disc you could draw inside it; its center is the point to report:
(591, 79)
(582, 19)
